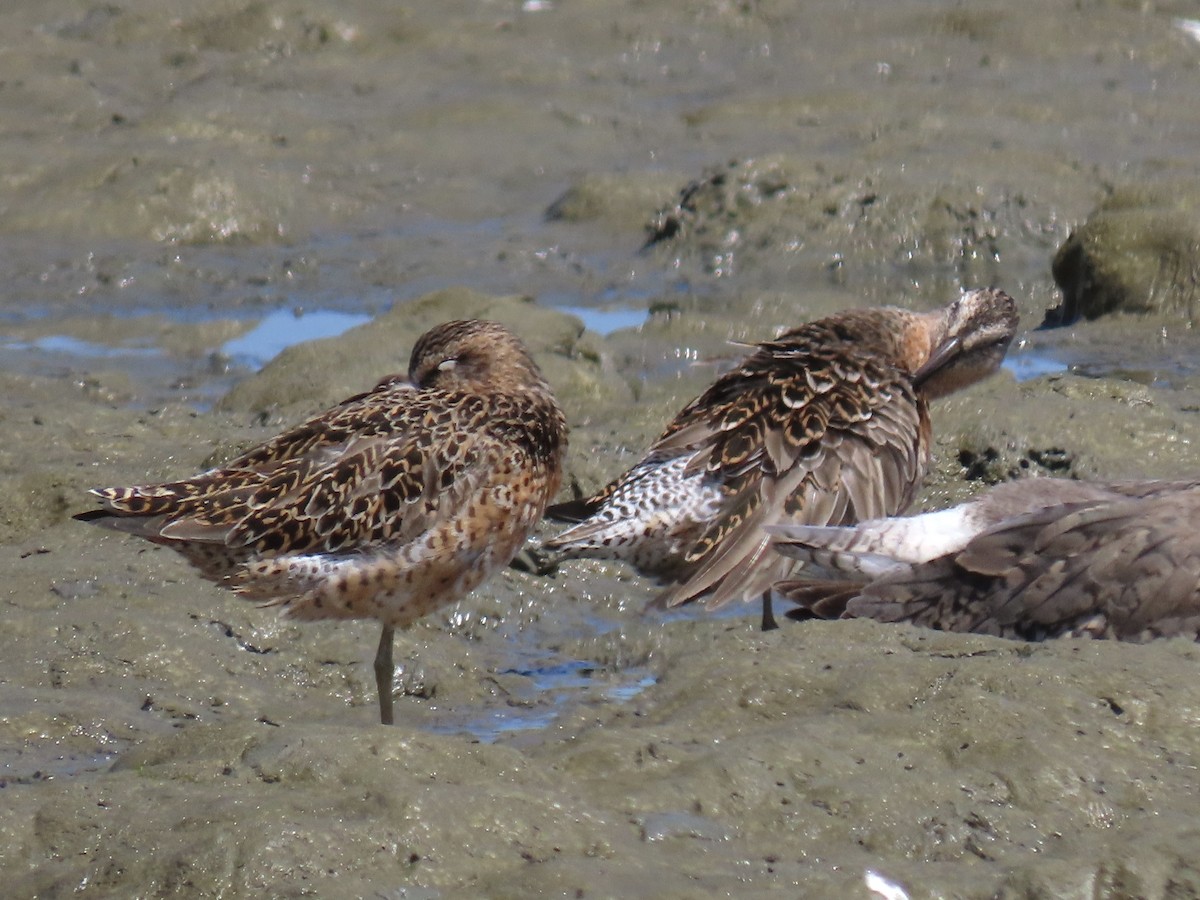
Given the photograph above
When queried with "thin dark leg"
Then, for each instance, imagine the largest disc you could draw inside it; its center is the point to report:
(384, 671)
(768, 617)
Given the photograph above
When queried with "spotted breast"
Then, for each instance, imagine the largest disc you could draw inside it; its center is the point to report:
(387, 506)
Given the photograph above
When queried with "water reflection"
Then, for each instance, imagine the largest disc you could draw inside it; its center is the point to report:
(63, 345)
(605, 321)
(1028, 364)
(283, 328)
(538, 695)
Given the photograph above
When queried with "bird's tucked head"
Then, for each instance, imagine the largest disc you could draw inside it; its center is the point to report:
(472, 353)
(968, 340)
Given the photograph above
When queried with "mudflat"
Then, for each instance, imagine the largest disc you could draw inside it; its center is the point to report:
(176, 176)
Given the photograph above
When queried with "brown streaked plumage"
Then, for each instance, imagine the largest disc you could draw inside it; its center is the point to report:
(387, 506)
(1030, 560)
(828, 423)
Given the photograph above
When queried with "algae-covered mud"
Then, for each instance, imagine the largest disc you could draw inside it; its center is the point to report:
(193, 193)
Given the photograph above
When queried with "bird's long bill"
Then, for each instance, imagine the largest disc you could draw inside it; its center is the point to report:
(942, 355)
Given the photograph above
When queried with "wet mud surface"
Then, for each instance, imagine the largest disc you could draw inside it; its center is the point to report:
(187, 185)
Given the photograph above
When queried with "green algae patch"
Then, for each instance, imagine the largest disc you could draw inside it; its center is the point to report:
(1138, 252)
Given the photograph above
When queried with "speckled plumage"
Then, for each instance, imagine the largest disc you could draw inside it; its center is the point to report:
(387, 506)
(1031, 560)
(828, 423)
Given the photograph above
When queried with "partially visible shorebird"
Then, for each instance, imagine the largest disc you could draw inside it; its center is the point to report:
(387, 506)
(828, 423)
(1030, 560)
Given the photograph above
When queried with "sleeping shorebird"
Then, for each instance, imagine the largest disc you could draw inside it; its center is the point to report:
(387, 506)
(1031, 559)
(828, 423)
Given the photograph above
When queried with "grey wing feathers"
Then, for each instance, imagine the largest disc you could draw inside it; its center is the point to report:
(1126, 570)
